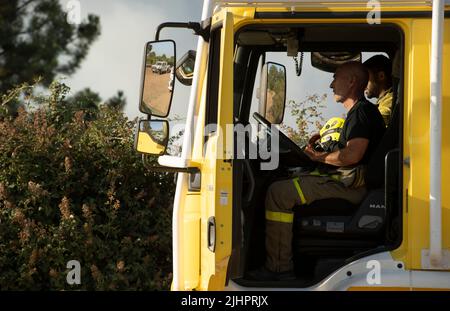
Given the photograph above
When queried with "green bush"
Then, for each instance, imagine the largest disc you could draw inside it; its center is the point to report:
(73, 188)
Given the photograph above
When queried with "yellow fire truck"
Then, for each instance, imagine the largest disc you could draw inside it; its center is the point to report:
(398, 238)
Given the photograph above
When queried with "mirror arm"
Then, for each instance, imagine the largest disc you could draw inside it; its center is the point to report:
(167, 169)
(201, 29)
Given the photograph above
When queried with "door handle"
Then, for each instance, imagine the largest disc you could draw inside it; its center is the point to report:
(212, 234)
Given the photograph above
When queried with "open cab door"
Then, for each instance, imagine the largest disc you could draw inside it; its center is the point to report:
(202, 215)
(217, 202)
(160, 69)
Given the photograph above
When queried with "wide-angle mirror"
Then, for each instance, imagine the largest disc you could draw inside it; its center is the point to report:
(152, 136)
(185, 68)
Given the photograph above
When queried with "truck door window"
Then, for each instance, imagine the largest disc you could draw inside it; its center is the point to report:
(212, 91)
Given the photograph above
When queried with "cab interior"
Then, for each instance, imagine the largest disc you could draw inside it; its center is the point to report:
(328, 234)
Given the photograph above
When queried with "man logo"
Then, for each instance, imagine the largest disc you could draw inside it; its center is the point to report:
(377, 206)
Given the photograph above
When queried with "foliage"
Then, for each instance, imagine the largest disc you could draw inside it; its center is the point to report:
(73, 188)
(89, 101)
(308, 118)
(37, 41)
(152, 58)
(118, 101)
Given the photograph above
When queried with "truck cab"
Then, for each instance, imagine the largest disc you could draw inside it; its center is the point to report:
(257, 80)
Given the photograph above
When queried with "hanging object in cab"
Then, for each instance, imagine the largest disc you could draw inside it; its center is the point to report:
(329, 61)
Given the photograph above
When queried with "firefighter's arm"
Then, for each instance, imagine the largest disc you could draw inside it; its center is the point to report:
(351, 154)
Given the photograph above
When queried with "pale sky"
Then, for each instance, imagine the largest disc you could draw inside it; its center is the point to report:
(115, 59)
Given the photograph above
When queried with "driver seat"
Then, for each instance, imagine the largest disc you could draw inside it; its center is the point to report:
(339, 223)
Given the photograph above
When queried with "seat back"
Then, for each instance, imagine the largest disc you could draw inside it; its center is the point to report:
(371, 214)
(352, 221)
(375, 174)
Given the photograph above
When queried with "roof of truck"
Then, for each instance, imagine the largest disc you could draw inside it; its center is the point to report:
(317, 4)
(328, 3)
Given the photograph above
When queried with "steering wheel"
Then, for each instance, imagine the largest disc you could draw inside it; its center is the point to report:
(284, 141)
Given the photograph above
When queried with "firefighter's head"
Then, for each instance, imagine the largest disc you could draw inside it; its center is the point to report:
(380, 75)
(349, 80)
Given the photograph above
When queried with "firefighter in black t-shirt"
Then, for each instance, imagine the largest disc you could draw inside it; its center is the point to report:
(361, 132)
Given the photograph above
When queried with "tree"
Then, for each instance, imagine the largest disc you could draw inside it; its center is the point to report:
(36, 40)
(86, 101)
(118, 101)
(308, 118)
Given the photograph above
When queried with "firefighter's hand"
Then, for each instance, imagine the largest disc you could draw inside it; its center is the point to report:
(313, 139)
(314, 155)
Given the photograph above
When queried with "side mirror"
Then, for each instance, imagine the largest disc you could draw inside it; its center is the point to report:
(151, 136)
(272, 98)
(158, 78)
(329, 61)
(185, 68)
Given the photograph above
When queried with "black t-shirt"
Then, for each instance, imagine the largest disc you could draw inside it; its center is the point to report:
(363, 121)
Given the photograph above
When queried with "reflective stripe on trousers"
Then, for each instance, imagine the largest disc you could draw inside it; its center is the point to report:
(286, 217)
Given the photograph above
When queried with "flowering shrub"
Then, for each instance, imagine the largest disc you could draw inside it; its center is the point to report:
(308, 118)
(73, 188)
